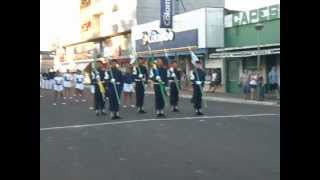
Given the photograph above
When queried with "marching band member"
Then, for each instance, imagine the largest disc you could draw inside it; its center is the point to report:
(58, 87)
(174, 76)
(158, 75)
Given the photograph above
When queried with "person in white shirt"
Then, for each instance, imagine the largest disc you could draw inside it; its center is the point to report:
(79, 86)
(214, 81)
(253, 82)
(244, 84)
(58, 87)
(67, 77)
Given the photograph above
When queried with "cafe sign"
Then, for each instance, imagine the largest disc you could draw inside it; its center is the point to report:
(253, 16)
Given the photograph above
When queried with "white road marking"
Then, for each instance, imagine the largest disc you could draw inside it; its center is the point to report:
(147, 120)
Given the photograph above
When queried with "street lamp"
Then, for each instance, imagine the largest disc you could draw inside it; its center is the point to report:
(259, 28)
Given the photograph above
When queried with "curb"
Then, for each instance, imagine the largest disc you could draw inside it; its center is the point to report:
(231, 100)
(228, 100)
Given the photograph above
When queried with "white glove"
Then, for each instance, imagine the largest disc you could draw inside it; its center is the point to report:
(92, 89)
(198, 82)
(171, 69)
(140, 76)
(158, 78)
(167, 88)
(113, 80)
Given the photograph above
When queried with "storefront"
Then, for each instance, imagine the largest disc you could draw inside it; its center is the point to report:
(237, 62)
(200, 30)
(249, 35)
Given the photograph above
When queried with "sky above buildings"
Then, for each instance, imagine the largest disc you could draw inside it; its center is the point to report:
(59, 19)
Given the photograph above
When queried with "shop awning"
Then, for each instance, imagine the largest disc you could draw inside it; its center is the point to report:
(174, 52)
(82, 66)
(245, 53)
(248, 47)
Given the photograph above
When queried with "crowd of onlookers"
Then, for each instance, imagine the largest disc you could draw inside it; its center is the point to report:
(254, 87)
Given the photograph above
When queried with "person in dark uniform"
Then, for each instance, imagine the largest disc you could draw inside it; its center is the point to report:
(114, 81)
(99, 103)
(198, 78)
(50, 78)
(141, 77)
(174, 77)
(158, 75)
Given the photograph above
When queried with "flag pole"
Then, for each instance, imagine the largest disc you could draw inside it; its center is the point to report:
(100, 85)
(114, 85)
(197, 76)
(157, 74)
(134, 57)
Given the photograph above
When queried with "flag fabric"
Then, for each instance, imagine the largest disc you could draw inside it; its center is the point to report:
(133, 56)
(132, 59)
(167, 57)
(194, 57)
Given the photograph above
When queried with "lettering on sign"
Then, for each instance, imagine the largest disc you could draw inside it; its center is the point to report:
(254, 16)
(157, 36)
(166, 13)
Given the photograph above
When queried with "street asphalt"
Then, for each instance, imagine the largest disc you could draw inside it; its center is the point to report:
(230, 142)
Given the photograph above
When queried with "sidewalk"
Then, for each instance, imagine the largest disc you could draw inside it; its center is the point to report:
(223, 97)
(226, 97)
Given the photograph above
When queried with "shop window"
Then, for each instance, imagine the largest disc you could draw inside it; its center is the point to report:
(233, 71)
(250, 63)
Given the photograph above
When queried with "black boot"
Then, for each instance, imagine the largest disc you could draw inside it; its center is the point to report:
(113, 116)
(162, 114)
(199, 113)
(141, 111)
(158, 113)
(175, 109)
(118, 115)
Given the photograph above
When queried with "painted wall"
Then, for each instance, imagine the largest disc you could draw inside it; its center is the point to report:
(149, 10)
(246, 35)
(208, 36)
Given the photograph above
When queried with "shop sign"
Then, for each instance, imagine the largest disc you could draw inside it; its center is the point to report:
(255, 16)
(157, 36)
(214, 63)
(166, 14)
(245, 53)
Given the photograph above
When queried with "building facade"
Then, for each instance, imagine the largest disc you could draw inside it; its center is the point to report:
(200, 30)
(248, 35)
(106, 26)
(46, 61)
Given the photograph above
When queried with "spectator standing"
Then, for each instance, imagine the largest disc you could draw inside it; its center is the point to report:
(128, 88)
(244, 84)
(260, 87)
(214, 81)
(253, 85)
(273, 81)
